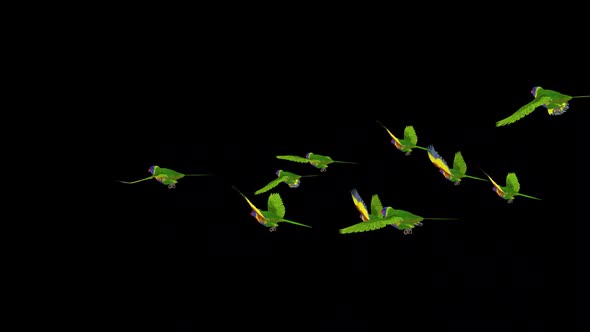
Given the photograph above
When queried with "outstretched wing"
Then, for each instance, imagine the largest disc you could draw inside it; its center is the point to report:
(369, 225)
(275, 205)
(512, 182)
(360, 205)
(494, 183)
(459, 163)
(524, 111)
(437, 160)
(376, 206)
(390, 134)
(270, 185)
(410, 135)
(296, 159)
(249, 203)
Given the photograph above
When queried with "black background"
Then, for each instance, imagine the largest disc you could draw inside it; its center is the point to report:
(193, 255)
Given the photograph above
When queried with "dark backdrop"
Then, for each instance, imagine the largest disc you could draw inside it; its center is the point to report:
(193, 253)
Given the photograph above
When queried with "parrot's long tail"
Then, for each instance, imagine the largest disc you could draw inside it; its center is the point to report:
(441, 218)
(197, 174)
(581, 96)
(420, 147)
(344, 162)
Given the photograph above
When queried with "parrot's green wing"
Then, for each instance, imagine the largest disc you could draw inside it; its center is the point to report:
(459, 163)
(270, 185)
(294, 223)
(410, 135)
(369, 225)
(512, 182)
(275, 205)
(524, 111)
(376, 206)
(296, 159)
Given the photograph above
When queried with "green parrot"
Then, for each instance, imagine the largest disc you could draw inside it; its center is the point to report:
(454, 174)
(316, 160)
(165, 176)
(291, 179)
(409, 220)
(370, 221)
(511, 190)
(274, 215)
(408, 142)
(556, 104)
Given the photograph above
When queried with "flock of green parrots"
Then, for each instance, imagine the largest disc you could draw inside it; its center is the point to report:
(377, 216)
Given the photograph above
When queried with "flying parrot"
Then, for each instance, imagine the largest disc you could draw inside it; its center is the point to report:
(407, 143)
(165, 176)
(556, 104)
(274, 215)
(316, 160)
(454, 174)
(511, 190)
(291, 179)
(408, 219)
(370, 221)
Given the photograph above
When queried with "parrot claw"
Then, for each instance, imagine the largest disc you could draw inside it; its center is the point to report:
(323, 169)
(457, 182)
(408, 153)
(407, 231)
(510, 200)
(172, 186)
(419, 224)
(273, 229)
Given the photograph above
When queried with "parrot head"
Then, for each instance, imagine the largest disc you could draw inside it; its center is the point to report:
(279, 173)
(534, 90)
(152, 169)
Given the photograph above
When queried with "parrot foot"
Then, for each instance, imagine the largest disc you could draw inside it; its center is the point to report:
(407, 231)
(172, 186)
(419, 224)
(323, 169)
(457, 182)
(273, 229)
(408, 153)
(510, 201)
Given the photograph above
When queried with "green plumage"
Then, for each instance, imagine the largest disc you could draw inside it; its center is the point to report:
(276, 206)
(459, 163)
(376, 206)
(555, 102)
(512, 182)
(370, 225)
(316, 160)
(269, 186)
(166, 176)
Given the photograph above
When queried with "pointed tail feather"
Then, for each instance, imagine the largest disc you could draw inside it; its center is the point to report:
(420, 147)
(198, 174)
(474, 177)
(344, 162)
(581, 96)
(295, 223)
(441, 218)
(527, 196)
(148, 178)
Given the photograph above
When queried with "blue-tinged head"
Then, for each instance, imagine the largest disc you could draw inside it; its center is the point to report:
(253, 213)
(307, 155)
(152, 169)
(278, 172)
(534, 90)
(384, 211)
